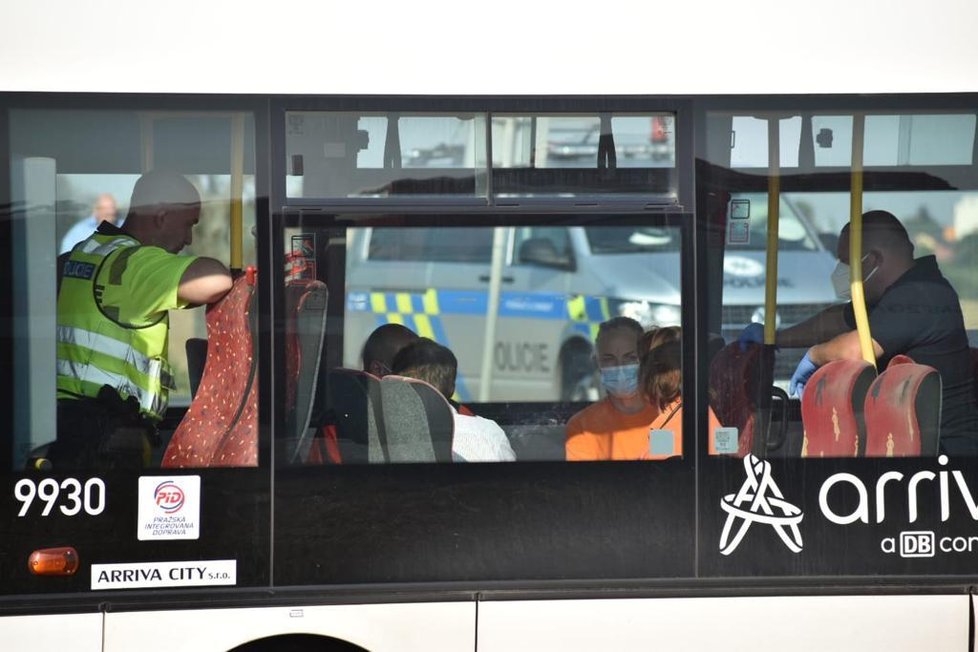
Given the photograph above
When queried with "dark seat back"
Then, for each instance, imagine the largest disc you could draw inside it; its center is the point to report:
(740, 394)
(305, 327)
(832, 409)
(353, 410)
(394, 419)
(196, 350)
(903, 411)
(974, 371)
(418, 422)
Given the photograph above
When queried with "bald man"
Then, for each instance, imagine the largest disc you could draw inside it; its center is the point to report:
(103, 210)
(913, 310)
(115, 290)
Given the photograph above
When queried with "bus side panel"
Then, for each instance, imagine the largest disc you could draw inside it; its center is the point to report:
(483, 522)
(431, 627)
(76, 632)
(934, 622)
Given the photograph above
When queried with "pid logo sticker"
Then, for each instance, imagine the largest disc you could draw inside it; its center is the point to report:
(169, 497)
(169, 508)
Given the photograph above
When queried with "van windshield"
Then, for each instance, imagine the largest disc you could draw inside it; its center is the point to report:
(631, 239)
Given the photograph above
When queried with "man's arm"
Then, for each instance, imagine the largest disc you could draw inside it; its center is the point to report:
(841, 347)
(205, 281)
(822, 326)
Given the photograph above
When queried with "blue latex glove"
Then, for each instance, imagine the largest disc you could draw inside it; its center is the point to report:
(799, 379)
(753, 334)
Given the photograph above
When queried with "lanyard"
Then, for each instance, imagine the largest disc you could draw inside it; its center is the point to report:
(669, 416)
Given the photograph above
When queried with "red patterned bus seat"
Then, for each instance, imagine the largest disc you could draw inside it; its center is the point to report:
(903, 411)
(220, 427)
(832, 409)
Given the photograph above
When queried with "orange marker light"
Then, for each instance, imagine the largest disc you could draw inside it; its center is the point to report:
(53, 561)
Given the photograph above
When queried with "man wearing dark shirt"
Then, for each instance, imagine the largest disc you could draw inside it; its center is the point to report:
(913, 310)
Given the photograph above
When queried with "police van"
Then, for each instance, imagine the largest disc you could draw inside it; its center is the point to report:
(557, 284)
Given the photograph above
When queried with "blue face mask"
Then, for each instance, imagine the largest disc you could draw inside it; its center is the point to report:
(620, 382)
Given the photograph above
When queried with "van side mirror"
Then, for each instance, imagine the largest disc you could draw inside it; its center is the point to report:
(542, 253)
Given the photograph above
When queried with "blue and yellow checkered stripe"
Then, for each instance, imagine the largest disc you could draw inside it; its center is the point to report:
(587, 313)
(419, 312)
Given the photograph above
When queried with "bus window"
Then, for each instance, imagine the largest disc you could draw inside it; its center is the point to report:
(916, 271)
(548, 154)
(436, 282)
(340, 155)
(69, 169)
(531, 343)
(896, 139)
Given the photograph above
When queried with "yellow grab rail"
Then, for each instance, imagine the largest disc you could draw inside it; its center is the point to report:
(773, 216)
(856, 242)
(237, 189)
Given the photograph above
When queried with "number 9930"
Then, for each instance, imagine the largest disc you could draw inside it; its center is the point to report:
(71, 496)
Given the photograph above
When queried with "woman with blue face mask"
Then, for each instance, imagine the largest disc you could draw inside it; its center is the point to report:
(616, 427)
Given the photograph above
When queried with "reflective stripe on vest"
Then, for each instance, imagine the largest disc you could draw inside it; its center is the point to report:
(94, 349)
(154, 369)
(150, 401)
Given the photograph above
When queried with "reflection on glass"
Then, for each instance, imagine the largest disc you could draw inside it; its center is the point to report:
(889, 140)
(339, 154)
(551, 141)
(557, 284)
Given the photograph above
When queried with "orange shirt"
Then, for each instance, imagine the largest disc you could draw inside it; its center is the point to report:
(601, 432)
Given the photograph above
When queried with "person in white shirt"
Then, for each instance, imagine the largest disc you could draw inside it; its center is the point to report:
(476, 439)
(103, 210)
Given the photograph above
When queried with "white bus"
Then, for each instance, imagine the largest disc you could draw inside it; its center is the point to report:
(662, 133)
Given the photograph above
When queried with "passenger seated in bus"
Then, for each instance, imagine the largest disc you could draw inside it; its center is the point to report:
(115, 288)
(913, 310)
(660, 379)
(476, 439)
(617, 426)
(377, 357)
(382, 345)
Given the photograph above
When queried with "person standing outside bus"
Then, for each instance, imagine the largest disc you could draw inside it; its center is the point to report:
(115, 290)
(616, 427)
(103, 210)
(913, 311)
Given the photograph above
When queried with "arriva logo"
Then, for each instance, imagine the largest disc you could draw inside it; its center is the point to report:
(889, 483)
(756, 502)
